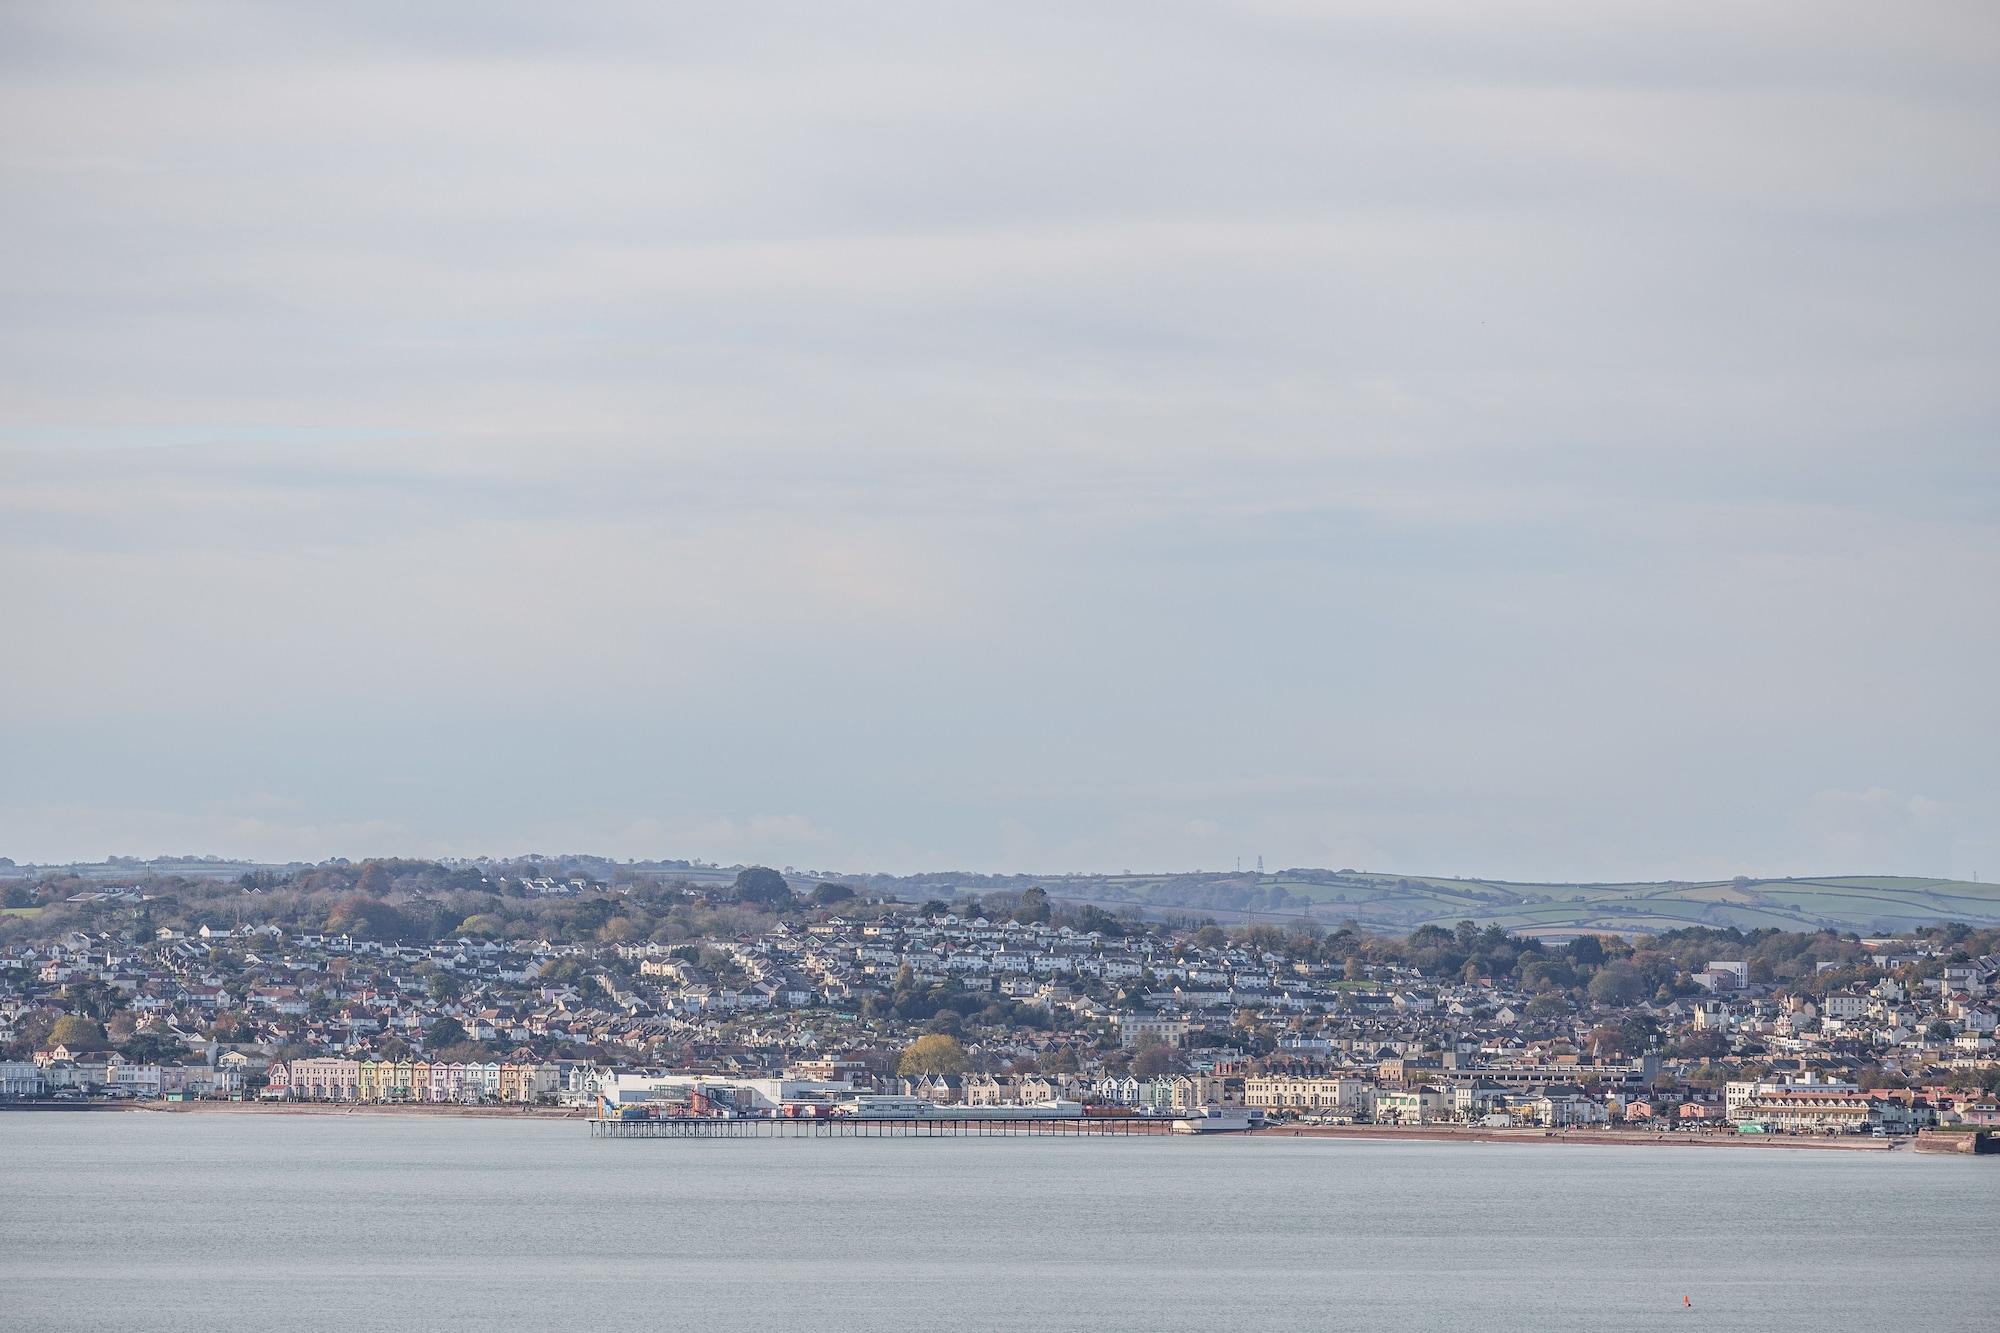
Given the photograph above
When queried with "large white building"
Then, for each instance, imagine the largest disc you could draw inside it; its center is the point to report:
(624, 1088)
(21, 1078)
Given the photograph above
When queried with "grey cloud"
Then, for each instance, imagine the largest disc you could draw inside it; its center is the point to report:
(1538, 440)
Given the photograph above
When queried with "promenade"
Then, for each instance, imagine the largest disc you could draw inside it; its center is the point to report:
(1622, 1138)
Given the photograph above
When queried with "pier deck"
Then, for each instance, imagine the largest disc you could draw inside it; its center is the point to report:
(860, 1127)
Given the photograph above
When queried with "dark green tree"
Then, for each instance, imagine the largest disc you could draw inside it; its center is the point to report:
(761, 886)
(1586, 950)
(445, 1032)
(1618, 984)
(1033, 909)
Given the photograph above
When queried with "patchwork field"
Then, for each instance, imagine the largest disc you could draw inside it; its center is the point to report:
(1867, 904)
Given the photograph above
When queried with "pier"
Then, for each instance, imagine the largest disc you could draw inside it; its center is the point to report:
(860, 1127)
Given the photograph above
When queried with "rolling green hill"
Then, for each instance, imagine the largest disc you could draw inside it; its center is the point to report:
(1865, 903)
(1389, 903)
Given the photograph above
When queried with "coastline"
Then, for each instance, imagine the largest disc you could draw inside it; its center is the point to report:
(1386, 1133)
(305, 1107)
(440, 1111)
(1598, 1137)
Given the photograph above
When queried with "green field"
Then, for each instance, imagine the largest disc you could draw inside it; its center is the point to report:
(1866, 904)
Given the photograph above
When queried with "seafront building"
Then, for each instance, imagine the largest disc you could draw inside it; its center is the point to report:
(21, 1078)
(1305, 1094)
(342, 1080)
(1131, 1018)
(1812, 1105)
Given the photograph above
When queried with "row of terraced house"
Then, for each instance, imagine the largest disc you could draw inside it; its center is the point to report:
(342, 1080)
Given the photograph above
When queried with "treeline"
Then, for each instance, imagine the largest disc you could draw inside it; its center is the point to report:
(392, 901)
(1607, 969)
(398, 901)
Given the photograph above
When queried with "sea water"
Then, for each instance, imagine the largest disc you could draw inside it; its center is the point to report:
(366, 1223)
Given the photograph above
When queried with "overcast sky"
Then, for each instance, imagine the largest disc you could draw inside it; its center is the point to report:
(1547, 440)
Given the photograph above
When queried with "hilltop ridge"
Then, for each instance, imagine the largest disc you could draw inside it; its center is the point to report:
(1376, 900)
(1392, 902)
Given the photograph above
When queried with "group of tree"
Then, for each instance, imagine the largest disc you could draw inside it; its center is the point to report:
(1609, 971)
(949, 1008)
(86, 1036)
(417, 902)
(933, 1053)
(1033, 906)
(763, 887)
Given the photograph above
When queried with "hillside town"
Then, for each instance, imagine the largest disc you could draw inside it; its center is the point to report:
(749, 998)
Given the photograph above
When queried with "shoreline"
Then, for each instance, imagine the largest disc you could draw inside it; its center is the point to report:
(1597, 1137)
(1383, 1133)
(436, 1111)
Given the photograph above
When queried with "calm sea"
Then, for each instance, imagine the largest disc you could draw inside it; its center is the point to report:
(364, 1223)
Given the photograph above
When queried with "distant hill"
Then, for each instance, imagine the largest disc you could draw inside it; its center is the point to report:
(1867, 904)
(1387, 903)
